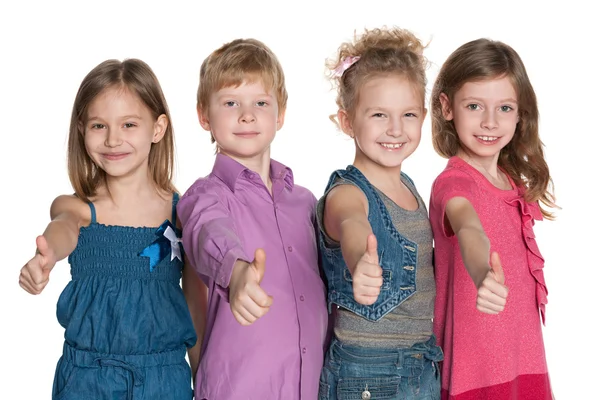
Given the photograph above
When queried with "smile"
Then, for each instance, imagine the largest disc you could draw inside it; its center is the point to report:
(391, 146)
(114, 156)
(487, 139)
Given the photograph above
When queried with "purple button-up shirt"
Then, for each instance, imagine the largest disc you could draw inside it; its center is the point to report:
(227, 216)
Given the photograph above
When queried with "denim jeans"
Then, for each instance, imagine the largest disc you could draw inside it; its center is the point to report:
(361, 373)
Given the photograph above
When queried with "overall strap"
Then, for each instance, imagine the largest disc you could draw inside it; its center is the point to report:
(93, 210)
(174, 208)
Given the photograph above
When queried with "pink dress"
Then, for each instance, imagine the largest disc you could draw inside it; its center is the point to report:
(489, 356)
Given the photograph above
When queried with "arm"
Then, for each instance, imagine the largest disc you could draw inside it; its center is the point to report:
(196, 295)
(216, 252)
(345, 220)
(57, 242)
(475, 251)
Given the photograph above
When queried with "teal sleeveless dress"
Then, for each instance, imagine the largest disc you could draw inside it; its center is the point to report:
(127, 324)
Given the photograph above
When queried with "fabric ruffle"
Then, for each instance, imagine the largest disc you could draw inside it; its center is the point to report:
(530, 212)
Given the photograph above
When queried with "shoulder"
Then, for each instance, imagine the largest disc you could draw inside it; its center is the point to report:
(206, 186)
(70, 206)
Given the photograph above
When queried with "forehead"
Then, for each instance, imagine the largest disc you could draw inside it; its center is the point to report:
(116, 100)
(390, 90)
(489, 89)
(251, 86)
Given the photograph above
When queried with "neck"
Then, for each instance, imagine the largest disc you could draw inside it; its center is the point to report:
(130, 189)
(378, 175)
(486, 165)
(260, 163)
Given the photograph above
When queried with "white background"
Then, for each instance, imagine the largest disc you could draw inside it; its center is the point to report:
(47, 47)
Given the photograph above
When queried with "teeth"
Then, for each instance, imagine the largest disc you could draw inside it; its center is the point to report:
(392, 145)
(487, 138)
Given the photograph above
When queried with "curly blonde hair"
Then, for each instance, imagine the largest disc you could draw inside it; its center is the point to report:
(381, 51)
(523, 158)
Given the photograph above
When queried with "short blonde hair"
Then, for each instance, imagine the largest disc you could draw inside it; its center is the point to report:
(239, 61)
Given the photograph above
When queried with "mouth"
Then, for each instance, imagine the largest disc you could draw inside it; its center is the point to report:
(114, 156)
(246, 135)
(391, 146)
(487, 139)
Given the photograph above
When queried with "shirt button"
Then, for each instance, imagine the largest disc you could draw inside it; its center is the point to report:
(304, 350)
(290, 248)
(301, 298)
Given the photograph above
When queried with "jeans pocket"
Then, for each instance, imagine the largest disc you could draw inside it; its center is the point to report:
(323, 391)
(380, 388)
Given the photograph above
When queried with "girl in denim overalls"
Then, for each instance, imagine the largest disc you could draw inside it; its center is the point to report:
(376, 240)
(127, 325)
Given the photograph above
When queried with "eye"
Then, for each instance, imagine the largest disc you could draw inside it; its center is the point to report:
(378, 115)
(129, 125)
(262, 103)
(413, 115)
(98, 126)
(230, 104)
(506, 108)
(473, 107)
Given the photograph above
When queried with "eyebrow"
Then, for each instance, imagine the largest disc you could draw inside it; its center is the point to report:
(509, 99)
(132, 116)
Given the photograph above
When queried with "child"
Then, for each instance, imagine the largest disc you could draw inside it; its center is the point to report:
(126, 321)
(483, 206)
(267, 318)
(376, 241)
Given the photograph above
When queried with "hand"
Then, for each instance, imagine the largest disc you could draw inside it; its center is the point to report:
(492, 294)
(36, 273)
(368, 275)
(248, 301)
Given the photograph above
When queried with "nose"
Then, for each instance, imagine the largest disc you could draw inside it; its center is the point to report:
(395, 128)
(489, 121)
(113, 138)
(247, 115)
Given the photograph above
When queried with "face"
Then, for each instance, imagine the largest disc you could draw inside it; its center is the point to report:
(485, 115)
(387, 122)
(243, 120)
(119, 132)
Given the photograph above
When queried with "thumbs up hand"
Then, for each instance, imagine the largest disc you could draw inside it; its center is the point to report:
(491, 293)
(36, 273)
(367, 277)
(248, 301)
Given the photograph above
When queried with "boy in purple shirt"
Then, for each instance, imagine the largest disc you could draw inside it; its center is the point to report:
(248, 230)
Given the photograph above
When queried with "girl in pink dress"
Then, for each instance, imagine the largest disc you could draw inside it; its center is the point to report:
(488, 268)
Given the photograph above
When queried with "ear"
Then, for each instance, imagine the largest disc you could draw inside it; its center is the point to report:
(345, 123)
(203, 119)
(424, 113)
(81, 128)
(160, 127)
(280, 119)
(446, 107)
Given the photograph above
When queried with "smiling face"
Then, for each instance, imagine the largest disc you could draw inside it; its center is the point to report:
(243, 120)
(485, 115)
(387, 120)
(119, 131)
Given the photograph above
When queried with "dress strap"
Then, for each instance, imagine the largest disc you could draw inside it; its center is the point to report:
(174, 209)
(93, 210)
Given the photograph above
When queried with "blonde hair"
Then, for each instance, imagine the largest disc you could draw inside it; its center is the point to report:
(137, 77)
(382, 52)
(239, 61)
(523, 158)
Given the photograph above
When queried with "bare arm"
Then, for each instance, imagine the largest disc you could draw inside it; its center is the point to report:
(346, 221)
(196, 295)
(67, 214)
(487, 275)
(474, 243)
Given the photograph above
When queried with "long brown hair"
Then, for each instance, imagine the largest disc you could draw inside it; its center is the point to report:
(138, 77)
(523, 157)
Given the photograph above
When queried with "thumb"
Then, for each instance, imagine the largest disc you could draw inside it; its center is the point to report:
(42, 249)
(259, 262)
(497, 268)
(371, 251)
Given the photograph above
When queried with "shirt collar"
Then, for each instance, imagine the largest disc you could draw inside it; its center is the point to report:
(229, 171)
